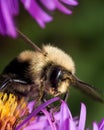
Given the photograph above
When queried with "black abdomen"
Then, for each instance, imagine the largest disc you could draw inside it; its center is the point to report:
(18, 69)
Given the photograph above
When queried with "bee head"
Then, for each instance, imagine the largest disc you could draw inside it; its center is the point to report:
(58, 67)
(57, 81)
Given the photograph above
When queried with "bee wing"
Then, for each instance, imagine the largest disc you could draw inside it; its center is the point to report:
(3, 80)
(18, 87)
(87, 89)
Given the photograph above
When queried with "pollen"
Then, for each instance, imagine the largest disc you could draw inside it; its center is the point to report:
(11, 109)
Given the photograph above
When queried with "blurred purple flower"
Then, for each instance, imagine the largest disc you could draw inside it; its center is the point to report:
(10, 8)
(63, 119)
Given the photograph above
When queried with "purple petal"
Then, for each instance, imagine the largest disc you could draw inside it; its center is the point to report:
(31, 106)
(7, 20)
(49, 4)
(70, 2)
(13, 6)
(95, 127)
(52, 124)
(37, 13)
(2, 22)
(62, 8)
(36, 111)
(65, 116)
(72, 125)
(38, 124)
(101, 125)
(82, 119)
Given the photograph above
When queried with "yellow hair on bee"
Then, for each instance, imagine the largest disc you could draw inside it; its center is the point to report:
(55, 56)
(38, 61)
(59, 57)
(26, 55)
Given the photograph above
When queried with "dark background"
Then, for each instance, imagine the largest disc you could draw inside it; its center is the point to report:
(81, 35)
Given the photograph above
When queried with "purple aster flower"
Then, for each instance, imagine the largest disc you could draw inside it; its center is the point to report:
(63, 120)
(11, 109)
(10, 8)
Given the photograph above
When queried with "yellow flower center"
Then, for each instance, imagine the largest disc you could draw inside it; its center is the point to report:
(11, 109)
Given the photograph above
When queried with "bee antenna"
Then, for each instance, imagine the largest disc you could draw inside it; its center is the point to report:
(24, 37)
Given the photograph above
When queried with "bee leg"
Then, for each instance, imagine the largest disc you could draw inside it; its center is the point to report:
(37, 102)
(53, 110)
(65, 98)
(57, 108)
(5, 83)
(41, 94)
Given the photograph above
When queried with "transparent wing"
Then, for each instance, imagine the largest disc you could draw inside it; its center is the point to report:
(87, 89)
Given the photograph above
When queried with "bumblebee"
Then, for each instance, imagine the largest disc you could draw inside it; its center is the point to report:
(45, 71)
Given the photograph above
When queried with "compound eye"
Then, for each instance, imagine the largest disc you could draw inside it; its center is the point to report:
(55, 77)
